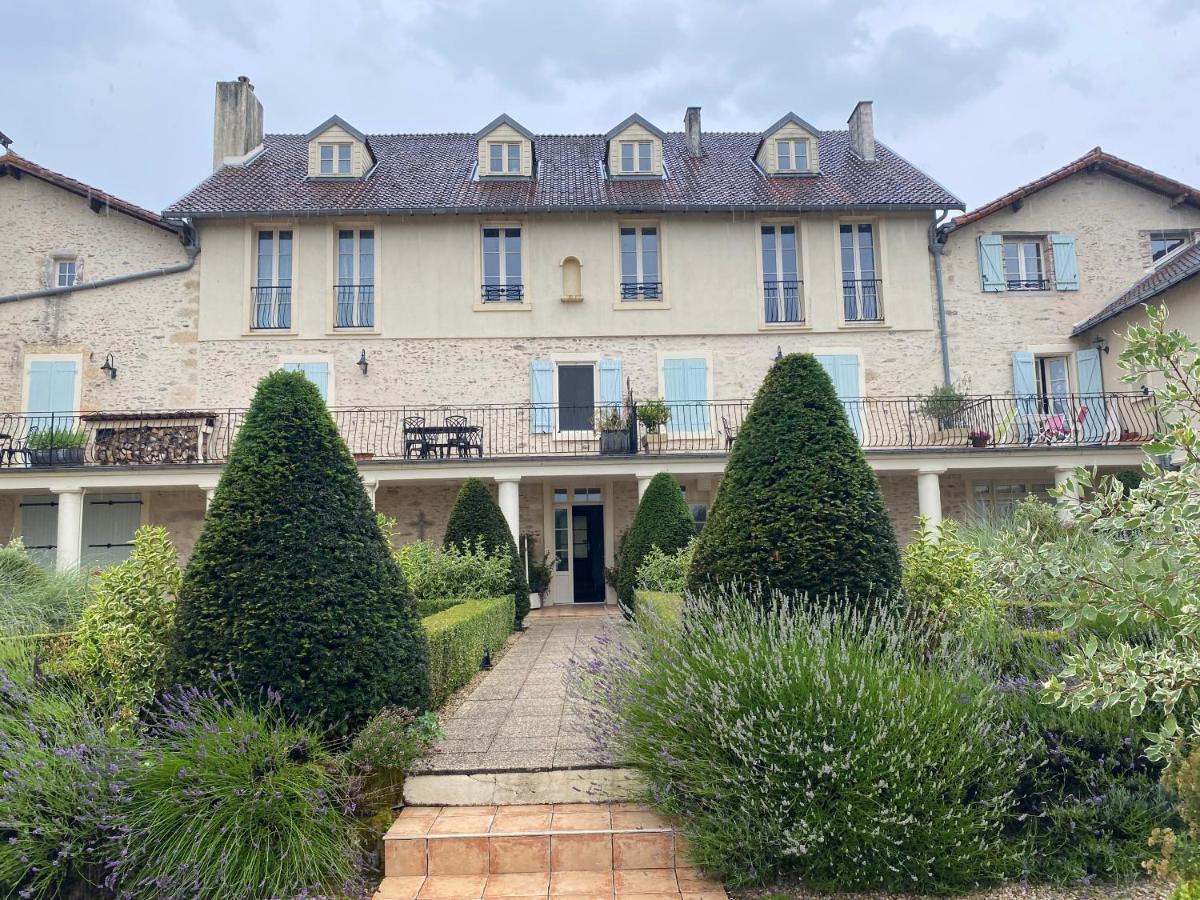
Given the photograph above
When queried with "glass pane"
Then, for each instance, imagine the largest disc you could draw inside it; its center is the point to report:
(801, 154)
(285, 258)
(626, 156)
(326, 160)
(514, 158)
(491, 255)
(649, 254)
(345, 257)
(768, 253)
(629, 267)
(1033, 262)
(847, 238)
(866, 252)
(265, 249)
(343, 159)
(787, 252)
(785, 154)
(496, 157)
(512, 255)
(560, 535)
(644, 156)
(576, 397)
(366, 257)
(1012, 262)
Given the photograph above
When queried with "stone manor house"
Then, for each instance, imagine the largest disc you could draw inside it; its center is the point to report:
(496, 304)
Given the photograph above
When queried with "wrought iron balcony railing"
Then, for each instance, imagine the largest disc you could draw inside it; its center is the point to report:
(1026, 284)
(502, 293)
(272, 305)
(862, 299)
(641, 290)
(784, 302)
(355, 305)
(420, 434)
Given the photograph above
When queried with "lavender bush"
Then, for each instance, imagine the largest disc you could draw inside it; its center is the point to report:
(794, 741)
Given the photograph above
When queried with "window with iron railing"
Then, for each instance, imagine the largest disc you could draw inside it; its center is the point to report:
(1023, 265)
(781, 279)
(640, 278)
(272, 291)
(502, 266)
(354, 294)
(860, 284)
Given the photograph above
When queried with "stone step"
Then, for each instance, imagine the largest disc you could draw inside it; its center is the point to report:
(544, 850)
(553, 786)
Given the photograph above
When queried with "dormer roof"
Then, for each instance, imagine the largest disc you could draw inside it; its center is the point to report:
(635, 119)
(340, 123)
(503, 119)
(789, 118)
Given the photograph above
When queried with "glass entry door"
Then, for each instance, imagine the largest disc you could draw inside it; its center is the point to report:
(579, 550)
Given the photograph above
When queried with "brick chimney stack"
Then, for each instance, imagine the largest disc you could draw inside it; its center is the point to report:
(237, 121)
(862, 131)
(691, 127)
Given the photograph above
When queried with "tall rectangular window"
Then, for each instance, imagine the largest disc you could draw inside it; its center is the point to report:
(640, 277)
(576, 396)
(273, 285)
(502, 266)
(781, 274)
(354, 293)
(1053, 385)
(1023, 265)
(860, 286)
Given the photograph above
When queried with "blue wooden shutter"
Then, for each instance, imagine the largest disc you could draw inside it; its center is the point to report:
(52, 390)
(1091, 395)
(610, 384)
(843, 372)
(1066, 264)
(1025, 389)
(541, 395)
(991, 263)
(317, 373)
(685, 389)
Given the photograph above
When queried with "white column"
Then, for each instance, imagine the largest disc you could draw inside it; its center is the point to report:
(510, 503)
(643, 483)
(70, 529)
(929, 497)
(209, 493)
(371, 487)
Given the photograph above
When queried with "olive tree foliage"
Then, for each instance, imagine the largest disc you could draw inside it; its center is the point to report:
(1150, 588)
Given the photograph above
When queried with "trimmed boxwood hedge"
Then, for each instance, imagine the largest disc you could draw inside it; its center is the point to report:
(457, 638)
(429, 607)
(663, 520)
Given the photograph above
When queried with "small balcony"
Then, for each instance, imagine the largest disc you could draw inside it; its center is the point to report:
(272, 306)
(784, 303)
(354, 305)
(641, 290)
(427, 435)
(862, 299)
(502, 293)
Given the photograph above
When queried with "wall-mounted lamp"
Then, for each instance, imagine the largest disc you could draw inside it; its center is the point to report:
(362, 361)
(109, 368)
(1101, 344)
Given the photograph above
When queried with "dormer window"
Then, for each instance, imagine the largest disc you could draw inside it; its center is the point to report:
(504, 157)
(636, 157)
(335, 159)
(792, 155)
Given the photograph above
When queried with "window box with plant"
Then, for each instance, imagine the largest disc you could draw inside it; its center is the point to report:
(654, 415)
(57, 447)
(979, 438)
(614, 431)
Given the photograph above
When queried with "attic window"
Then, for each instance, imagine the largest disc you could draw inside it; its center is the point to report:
(498, 152)
(792, 156)
(1165, 243)
(635, 156)
(335, 154)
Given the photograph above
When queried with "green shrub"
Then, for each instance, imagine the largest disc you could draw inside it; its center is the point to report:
(291, 582)
(477, 521)
(427, 608)
(33, 600)
(457, 639)
(56, 439)
(463, 572)
(662, 520)
(667, 607)
(795, 741)
(234, 800)
(383, 751)
(653, 414)
(941, 579)
(799, 509)
(661, 571)
(121, 647)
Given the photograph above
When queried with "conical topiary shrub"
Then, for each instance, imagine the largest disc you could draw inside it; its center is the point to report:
(799, 509)
(291, 583)
(662, 520)
(476, 519)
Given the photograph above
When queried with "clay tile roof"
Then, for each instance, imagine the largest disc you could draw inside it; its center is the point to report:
(1177, 269)
(93, 195)
(1098, 159)
(434, 173)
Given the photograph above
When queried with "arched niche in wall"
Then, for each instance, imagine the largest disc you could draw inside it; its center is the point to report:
(572, 280)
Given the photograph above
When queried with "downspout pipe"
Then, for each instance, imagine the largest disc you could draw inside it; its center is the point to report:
(937, 247)
(191, 247)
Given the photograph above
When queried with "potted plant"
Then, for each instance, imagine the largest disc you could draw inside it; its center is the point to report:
(943, 404)
(614, 431)
(537, 573)
(57, 447)
(979, 438)
(653, 414)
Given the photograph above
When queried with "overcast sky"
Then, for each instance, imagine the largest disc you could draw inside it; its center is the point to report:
(984, 97)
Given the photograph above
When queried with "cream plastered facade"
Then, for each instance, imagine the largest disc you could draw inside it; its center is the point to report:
(184, 341)
(1110, 220)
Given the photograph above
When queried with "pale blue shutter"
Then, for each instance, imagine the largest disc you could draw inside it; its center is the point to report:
(541, 395)
(1025, 389)
(317, 373)
(39, 527)
(52, 390)
(685, 389)
(991, 262)
(843, 372)
(610, 384)
(109, 522)
(1066, 264)
(1091, 395)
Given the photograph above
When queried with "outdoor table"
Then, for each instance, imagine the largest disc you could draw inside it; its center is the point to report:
(429, 434)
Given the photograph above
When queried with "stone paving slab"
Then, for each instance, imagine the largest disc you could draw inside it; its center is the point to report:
(519, 719)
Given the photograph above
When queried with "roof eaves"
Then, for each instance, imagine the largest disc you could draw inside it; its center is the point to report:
(1141, 291)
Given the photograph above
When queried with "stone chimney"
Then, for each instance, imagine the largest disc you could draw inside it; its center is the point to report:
(691, 127)
(862, 130)
(237, 121)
